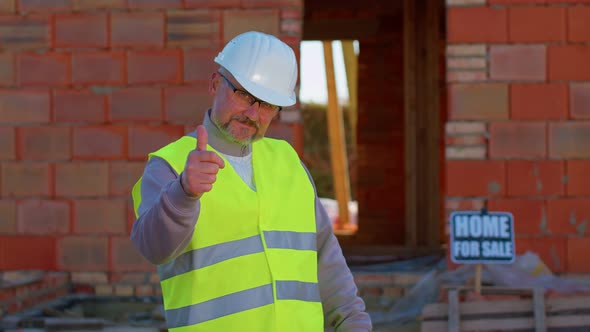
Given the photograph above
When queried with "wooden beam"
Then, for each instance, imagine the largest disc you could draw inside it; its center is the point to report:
(351, 66)
(422, 133)
(337, 141)
(410, 130)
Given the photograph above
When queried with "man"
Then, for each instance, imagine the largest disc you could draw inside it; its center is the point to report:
(232, 219)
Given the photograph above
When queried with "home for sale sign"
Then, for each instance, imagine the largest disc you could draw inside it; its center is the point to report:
(482, 237)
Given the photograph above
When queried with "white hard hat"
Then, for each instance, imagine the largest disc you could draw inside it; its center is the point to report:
(263, 65)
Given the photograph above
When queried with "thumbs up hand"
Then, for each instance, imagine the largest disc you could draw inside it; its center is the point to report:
(200, 171)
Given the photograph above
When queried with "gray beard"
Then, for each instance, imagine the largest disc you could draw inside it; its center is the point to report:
(223, 128)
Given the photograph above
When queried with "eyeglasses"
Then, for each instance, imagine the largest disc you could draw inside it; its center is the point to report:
(247, 99)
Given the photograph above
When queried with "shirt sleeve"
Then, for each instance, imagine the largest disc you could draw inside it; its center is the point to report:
(166, 215)
(344, 310)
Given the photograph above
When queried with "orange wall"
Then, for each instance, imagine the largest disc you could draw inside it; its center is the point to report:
(87, 89)
(518, 131)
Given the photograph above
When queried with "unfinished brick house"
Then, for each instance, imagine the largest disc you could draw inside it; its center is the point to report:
(462, 105)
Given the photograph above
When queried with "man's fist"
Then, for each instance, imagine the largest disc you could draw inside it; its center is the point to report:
(200, 171)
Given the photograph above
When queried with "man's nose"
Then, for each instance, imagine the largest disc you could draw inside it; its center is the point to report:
(252, 111)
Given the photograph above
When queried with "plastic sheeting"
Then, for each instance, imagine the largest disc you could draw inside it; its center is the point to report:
(527, 271)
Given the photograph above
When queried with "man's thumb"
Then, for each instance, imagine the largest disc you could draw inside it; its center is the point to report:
(202, 138)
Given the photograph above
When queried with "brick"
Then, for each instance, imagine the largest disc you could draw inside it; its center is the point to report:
(477, 25)
(149, 67)
(154, 4)
(524, 23)
(199, 65)
(465, 2)
(25, 180)
(466, 50)
(466, 152)
(291, 13)
(136, 104)
(194, 28)
(125, 258)
(478, 101)
(24, 106)
(568, 140)
(40, 256)
(81, 30)
(123, 290)
(7, 143)
(466, 63)
(44, 5)
(137, 29)
(454, 204)
(133, 278)
(578, 182)
(103, 290)
(538, 101)
(186, 104)
(79, 106)
(100, 216)
(518, 62)
(204, 4)
(475, 178)
(551, 250)
(467, 76)
(99, 142)
(263, 20)
(7, 69)
(466, 140)
(578, 29)
(580, 100)
(285, 131)
(98, 68)
(44, 143)
(123, 176)
(99, 4)
(83, 253)
(272, 3)
(577, 260)
(568, 62)
(8, 7)
(516, 2)
(465, 128)
(130, 216)
(518, 140)
(144, 290)
(43, 217)
(43, 69)
(291, 27)
(530, 215)
(7, 217)
(568, 216)
(535, 178)
(89, 277)
(143, 140)
(81, 179)
(25, 32)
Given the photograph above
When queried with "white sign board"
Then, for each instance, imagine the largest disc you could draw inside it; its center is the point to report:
(482, 237)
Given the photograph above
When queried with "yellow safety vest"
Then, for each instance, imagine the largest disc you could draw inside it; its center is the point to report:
(252, 262)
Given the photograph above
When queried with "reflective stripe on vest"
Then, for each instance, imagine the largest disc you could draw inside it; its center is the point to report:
(199, 258)
(241, 301)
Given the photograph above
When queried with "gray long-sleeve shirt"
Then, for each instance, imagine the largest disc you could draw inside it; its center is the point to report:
(167, 219)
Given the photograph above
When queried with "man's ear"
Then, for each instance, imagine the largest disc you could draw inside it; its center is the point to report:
(214, 83)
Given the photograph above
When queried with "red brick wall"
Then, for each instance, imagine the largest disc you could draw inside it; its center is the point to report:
(518, 130)
(87, 89)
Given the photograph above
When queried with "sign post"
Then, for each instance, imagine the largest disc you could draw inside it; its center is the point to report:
(479, 237)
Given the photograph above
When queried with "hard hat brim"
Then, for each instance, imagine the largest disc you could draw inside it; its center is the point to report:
(266, 94)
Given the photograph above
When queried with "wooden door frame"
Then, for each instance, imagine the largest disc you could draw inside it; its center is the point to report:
(422, 129)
